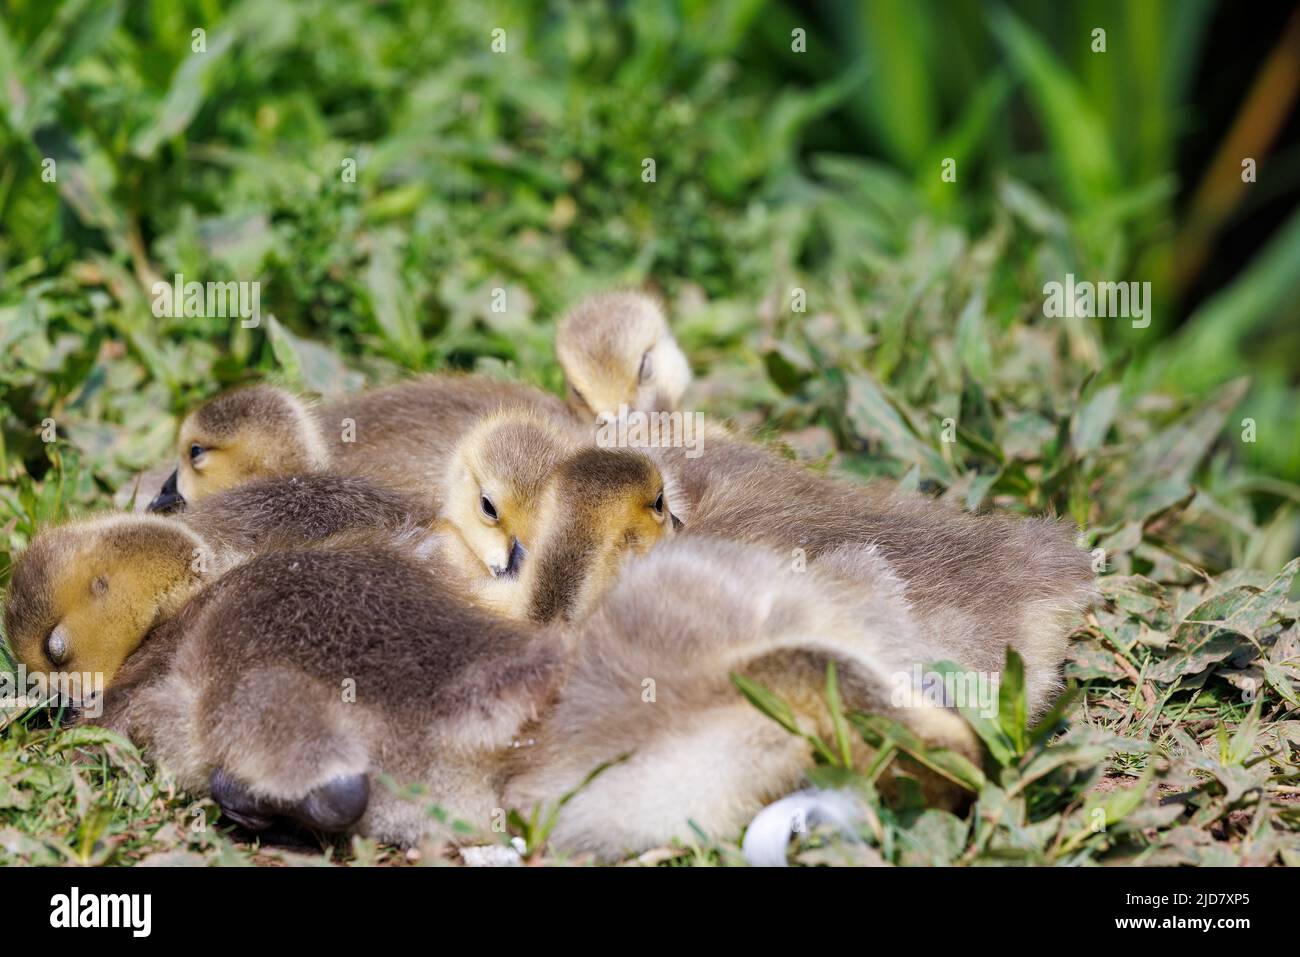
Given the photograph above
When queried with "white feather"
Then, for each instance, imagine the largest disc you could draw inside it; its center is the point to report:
(768, 835)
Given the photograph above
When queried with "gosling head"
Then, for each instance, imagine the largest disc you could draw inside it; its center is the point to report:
(494, 486)
(616, 349)
(258, 432)
(84, 595)
(601, 507)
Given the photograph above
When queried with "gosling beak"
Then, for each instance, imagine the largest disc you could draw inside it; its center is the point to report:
(168, 498)
(513, 561)
(678, 524)
(517, 553)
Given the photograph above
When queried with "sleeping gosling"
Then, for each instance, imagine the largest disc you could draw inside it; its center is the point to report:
(1021, 581)
(599, 508)
(400, 436)
(84, 594)
(616, 350)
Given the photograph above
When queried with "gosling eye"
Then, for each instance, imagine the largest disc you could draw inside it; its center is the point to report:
(647, 367)
(99, 586)
(489, 510)
(578, 395)
(658, 505)
(196, 452)
(56, 646)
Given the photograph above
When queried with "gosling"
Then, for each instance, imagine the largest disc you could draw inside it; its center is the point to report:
(400, 436)
(493, 489)
(1021, 581)
(617, 351)
(599, 508)
(84, 594)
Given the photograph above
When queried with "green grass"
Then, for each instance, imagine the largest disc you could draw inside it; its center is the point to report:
(522, 171)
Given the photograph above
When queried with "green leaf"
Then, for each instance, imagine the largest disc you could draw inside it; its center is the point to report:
(796, 108)
(1013, 707)
(933, 838)
(1193, 662)
(768, 703)
(1279, 682)
(1000, 746)
(881, 732)
(190, 86)
(1210, 346)
(1114, 806)
(1251, 618)
(837, 715)
(309, 363)
(971, 130)
(1242, 743)
(873, 416)
(1091, 422)
(1081, 147)
(974, 345)
(283, 350)
(81, 27)
(1053, 720)
(392, 302)
(900, 104)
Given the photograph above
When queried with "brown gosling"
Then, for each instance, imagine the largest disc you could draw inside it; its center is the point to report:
(257, 432)
(616, 350)
(649, 692)
(599, 508)
(84, 594)
(1022, 582)
(400, 436)
(493, 489)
